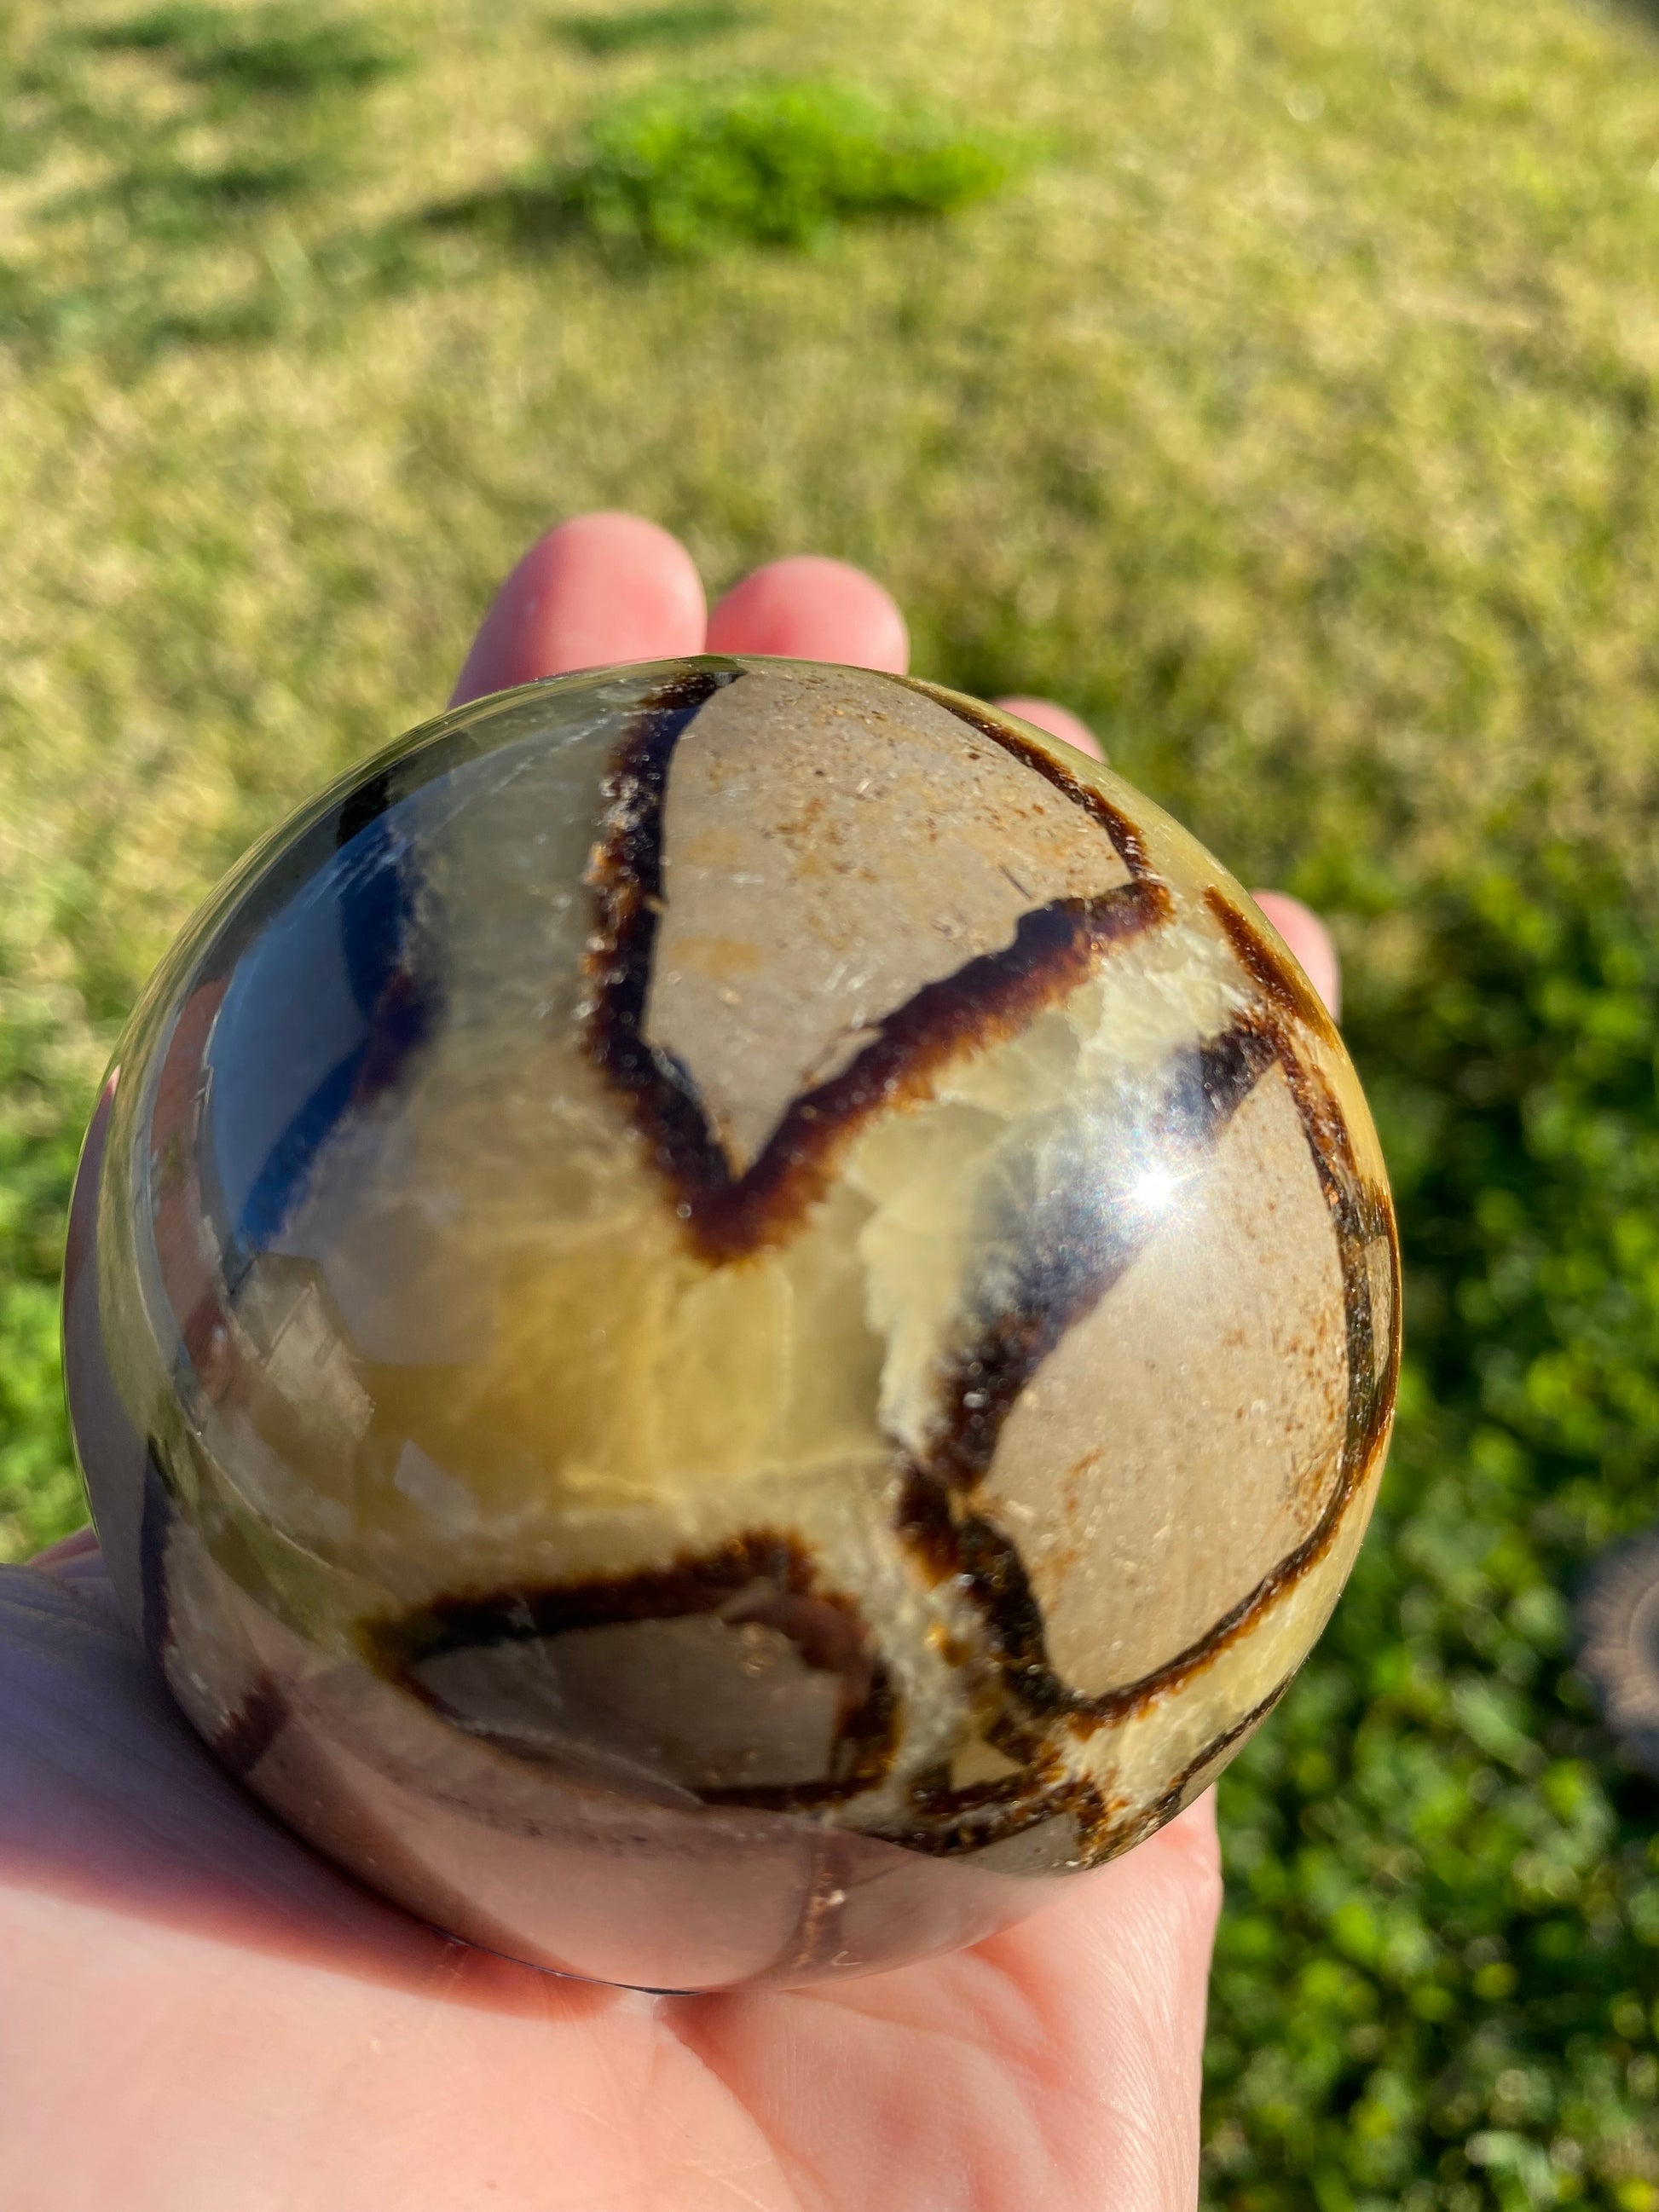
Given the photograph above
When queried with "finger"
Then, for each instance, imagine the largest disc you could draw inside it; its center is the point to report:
(1309, 938)
(809, 608)
(1058, 2062)
(598, 590)
(1059, 721)
(103, 1788)
(1119, 1972)
(1193, 1841)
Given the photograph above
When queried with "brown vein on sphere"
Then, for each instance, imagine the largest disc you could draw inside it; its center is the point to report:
(956, 1824)
(1363, 1213)
(980, 1384)
(625, 876)
(1282, 985)
(1102, 1830)
(980, 1387)
(1219, 1746)
(1117, 825)
(1055, 949)
(953, 1823)
(764, 1575)
(964, 1547)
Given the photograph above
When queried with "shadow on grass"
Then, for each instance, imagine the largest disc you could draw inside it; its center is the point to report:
(527, 216)
(182, 204)
(284, 51)
(687, 25)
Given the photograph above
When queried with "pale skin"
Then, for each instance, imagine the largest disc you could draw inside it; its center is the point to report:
(197, 2014)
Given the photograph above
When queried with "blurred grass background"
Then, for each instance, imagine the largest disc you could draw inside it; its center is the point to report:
(1273, 381)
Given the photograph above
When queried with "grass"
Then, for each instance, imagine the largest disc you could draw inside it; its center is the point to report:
(1295, 418)
(157, 157)
(1437, 1979)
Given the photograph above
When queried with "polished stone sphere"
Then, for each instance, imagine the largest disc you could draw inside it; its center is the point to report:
(736, 1313)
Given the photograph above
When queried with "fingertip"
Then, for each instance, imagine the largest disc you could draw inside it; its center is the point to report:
(1189, 1852)
(1194, 1833)
(811, 608)
(598, 590)
(1057, 720)
(1311, 941)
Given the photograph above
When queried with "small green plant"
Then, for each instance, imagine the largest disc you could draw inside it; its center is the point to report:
(688, 170)
(684, 26)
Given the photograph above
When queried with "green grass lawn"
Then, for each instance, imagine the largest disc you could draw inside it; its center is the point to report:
(1273, 381)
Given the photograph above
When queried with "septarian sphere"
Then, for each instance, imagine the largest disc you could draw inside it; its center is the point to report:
(733, 1313)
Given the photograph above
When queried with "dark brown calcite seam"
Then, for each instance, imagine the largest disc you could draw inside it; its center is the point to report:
(981, 1386)
(1112, 819)
(1284, 988)
(768, 1575)
(1055, 949)
(981, 1382)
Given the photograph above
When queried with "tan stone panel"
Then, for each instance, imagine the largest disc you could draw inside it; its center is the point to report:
(1379, 1274)
(1139, 1761)
(1186, 1435)
(698, 1700)
(831, 844)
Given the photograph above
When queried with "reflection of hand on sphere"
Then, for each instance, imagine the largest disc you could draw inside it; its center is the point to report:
(745, 1309)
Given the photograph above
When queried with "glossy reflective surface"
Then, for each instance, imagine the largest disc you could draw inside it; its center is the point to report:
(738, 1311)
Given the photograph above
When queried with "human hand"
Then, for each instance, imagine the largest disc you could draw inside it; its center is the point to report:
(195, 2010)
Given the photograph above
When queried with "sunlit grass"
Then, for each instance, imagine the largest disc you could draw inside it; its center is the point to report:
(1294, 416)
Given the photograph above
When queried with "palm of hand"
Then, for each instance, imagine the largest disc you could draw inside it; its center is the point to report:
(202, 2013)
